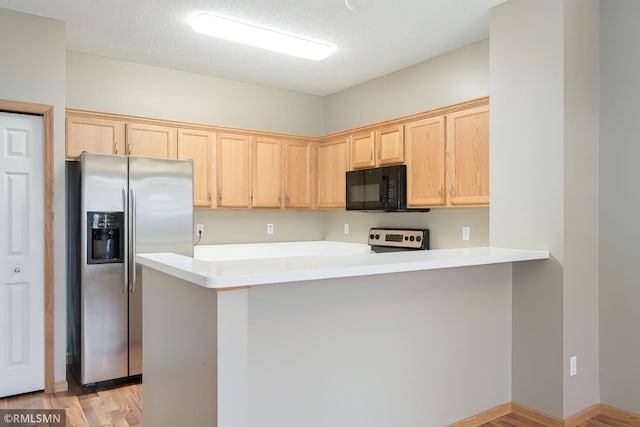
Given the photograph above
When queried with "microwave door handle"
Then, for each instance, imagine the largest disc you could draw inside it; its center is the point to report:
(384, 193)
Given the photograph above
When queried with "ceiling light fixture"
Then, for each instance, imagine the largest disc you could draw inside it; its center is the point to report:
(227, 29)
(358, 5)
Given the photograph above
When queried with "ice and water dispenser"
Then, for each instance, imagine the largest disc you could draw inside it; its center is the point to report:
(105, 235)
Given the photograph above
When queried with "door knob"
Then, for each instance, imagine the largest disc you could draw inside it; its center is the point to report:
(17, 269)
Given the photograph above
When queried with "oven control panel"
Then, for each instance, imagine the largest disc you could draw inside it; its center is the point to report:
(399, 238)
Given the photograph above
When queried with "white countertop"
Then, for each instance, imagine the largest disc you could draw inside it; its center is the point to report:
(250, 265)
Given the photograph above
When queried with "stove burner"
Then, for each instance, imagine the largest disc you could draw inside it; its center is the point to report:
(398, 239)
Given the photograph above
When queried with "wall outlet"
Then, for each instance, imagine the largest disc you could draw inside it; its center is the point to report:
(346, 229)
(573, 366)
(466, 233)
(199, 230)
(269, 228)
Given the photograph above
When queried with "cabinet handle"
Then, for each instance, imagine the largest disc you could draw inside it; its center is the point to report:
(370, 155)
(286, 198)
(279, 198)
(451, 190)
(116, 147)
(129, 153)
(379, 154)
(440, 190)
(220, 195)
(210, 195)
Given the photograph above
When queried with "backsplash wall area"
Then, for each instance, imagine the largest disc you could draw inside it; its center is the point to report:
(445, 225)
(245, 226)
(250, 225)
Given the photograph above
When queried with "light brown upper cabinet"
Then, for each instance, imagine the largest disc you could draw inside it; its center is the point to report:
(298, 175)
(468, 157)
(384, 146)
(152, 141)
(446, 152)
(426, 162)
(333, 163)
(233, 170)
(94, 136)
(390, 145)
(267, 172)
(362, 147)
(199, 146)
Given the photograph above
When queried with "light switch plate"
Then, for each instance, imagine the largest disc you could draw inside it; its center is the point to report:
(573, 366)
(466, 233)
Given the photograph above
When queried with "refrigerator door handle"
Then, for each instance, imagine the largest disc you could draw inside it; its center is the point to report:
(126, 246)
(132, 289)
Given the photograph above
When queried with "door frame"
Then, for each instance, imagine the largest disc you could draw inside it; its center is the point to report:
(49, 330)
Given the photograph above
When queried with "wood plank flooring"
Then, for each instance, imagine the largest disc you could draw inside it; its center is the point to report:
(116, 407)
(122, 407)
(515, 420)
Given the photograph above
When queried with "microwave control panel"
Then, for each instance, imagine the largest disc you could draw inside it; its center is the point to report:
(399, 238)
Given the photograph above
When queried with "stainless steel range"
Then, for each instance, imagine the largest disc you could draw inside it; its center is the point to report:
(398, 239)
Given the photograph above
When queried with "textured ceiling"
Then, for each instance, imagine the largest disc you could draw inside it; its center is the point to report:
(387, 36)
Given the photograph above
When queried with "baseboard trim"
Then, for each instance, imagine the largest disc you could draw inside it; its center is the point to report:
(485, 416)
(535, 415)
(60, 387)
(584, 415)
(573, 421)
(619, 413)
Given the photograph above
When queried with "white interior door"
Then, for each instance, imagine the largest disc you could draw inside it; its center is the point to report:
(21, 254)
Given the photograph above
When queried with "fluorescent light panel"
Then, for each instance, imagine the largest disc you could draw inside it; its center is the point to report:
(251, 35)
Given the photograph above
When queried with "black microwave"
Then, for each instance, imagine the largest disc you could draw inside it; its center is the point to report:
(378, 189)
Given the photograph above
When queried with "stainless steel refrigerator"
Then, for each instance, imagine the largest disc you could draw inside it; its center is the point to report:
(123, 206)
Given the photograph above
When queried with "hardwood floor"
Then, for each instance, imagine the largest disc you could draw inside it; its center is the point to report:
(116, 407)
(515, 420)
(606, 420)
(122, 407)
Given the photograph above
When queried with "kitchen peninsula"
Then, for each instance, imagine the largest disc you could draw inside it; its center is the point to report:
(354, 338)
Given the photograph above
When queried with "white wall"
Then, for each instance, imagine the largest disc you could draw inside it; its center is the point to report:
(450, 78)
(33, 70)
(113, 86)
(250, 226)
(544, 193)
(619, 204)
(411, 349)
(527, 191)
(580, 300)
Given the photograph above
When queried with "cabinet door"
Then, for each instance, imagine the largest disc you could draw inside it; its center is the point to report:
(362, 145)
(468, 157)
(198, 146)
(94, 136)
(267, 173)
(234, 171)
(297, 178)
(152, 141)
(333, 163)
(426, 162)
(390, 145)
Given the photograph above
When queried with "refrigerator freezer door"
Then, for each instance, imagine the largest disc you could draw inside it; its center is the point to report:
(103, 296)
(161, 191)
